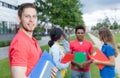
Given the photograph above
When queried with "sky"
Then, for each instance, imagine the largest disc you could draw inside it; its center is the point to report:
(24, 1)
(96, 10)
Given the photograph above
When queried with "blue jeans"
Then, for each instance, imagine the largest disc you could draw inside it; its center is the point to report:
(76, 74)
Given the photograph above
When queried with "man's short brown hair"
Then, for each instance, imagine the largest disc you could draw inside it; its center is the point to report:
(23, 6)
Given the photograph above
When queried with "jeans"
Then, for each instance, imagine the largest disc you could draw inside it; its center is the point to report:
(77, 74)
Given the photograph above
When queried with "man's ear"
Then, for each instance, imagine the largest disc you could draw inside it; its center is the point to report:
(18, 18)
(85, 33)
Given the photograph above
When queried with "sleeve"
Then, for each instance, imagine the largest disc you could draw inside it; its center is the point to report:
(56, 58)
(66, 45)
(71, 47)
(18, 54)
(110, 51)
(91, 47)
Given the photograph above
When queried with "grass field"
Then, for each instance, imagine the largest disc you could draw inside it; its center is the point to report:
(117, 38)
(5, 69)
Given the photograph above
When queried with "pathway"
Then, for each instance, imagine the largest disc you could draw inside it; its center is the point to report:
(4, 50)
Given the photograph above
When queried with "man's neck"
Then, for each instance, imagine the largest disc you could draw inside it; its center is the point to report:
(27, 33)
(81, 40)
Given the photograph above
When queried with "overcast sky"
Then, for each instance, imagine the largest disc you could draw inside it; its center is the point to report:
(96, 10)
(93, 5)
(25, 1)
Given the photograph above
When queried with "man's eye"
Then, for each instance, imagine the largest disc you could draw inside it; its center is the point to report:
(80, 33)
(34, 16)
(27, 16)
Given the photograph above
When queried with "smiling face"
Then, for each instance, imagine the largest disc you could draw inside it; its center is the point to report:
(28, 19)
(80, 33)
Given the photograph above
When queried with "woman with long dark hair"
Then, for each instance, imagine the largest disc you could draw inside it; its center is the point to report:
(58, 47)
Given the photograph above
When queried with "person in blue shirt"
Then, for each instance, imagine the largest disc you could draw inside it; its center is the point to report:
(110, 51)
(58, 48)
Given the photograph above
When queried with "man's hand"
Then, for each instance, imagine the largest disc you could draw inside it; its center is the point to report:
(54, 71)
(85, 64)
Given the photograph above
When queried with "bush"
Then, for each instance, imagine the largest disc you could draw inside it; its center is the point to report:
(38, 37)
(1, 44)
(4, 43)
(7, 43)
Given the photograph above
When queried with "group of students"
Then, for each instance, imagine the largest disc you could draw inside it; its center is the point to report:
(24, 51)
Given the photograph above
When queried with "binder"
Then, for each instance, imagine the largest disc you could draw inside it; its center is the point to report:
(43, 69)
(67, 58)
(98, 55)
(47, 70)
(79, 57)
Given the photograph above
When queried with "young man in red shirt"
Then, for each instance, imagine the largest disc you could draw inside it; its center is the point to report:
(24, 51)
(81, 45)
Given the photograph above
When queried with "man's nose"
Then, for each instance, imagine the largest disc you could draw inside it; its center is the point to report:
(80, 33)
(31, 19)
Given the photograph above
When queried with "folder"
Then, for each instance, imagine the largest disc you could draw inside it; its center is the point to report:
(79, 57)
(47, 70)
(98, 55)
(43, 69)
(67, 58)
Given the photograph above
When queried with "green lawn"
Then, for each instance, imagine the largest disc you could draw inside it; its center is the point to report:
(94, 68)
(117, 38)
(5, 69)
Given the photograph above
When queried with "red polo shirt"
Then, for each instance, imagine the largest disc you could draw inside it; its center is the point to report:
(86, 46)
(24, 51)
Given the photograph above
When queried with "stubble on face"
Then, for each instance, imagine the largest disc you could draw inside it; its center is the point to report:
(29, 19)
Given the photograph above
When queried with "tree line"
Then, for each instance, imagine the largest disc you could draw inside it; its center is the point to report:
(106, 23)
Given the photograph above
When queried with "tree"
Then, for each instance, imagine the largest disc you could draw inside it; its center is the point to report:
(60, 12)
(111, 27)
(115, 25)
(106, 22)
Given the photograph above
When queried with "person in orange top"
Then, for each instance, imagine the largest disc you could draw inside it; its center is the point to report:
(81, 45)
(24, 51)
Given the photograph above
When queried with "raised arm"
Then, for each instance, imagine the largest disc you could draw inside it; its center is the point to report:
(66, 46)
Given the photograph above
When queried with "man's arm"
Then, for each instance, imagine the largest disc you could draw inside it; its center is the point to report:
(78, 64)
(18, 72)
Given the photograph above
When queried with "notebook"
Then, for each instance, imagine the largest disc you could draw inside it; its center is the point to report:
(67, 58)
(79, 57)
(99, 56)
(43, 68)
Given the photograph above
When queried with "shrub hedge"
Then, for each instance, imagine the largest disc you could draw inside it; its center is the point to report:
(7, 43)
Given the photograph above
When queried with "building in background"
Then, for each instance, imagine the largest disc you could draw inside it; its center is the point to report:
(8, 15)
